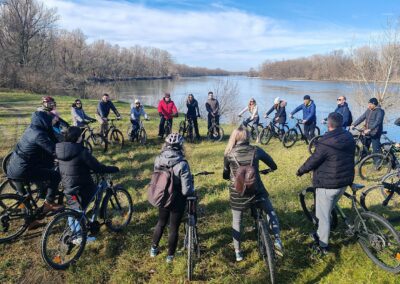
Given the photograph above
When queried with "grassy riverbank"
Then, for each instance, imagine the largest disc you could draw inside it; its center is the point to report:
(123, 258)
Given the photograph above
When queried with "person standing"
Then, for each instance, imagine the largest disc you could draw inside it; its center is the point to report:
(193, 113)
(137, 110)
(332, 165)
(280, 113)
(167, 110)
(344, 110)
(103, 110)
(373, 118)
(252, 108)
(309, 116)
(213, 109)
(79, 117)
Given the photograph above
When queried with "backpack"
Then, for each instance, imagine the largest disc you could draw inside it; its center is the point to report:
(246, 178)
(160, 192)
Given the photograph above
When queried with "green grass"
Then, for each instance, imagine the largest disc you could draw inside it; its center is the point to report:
(124, 257)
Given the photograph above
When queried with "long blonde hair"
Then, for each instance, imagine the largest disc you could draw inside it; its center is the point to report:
(240, 134)
(252, 106)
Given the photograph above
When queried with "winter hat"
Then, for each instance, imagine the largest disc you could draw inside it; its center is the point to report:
(306, 97)
(373, 101)
(277, 100)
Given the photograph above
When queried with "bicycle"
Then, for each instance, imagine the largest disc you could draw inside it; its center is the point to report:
(384, 198)
(292, 135)
(191, 242)
(113, 135)
(272, 130)
(215, 132)
(64, 238)
(167, 127)
(251, 127)
(140, 135)
(375, 166)
(376, 236)
(18, 212)
(361, 149)
(97, 139)
(186, 129)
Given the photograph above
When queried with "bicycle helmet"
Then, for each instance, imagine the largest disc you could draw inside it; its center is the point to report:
(397, 122)
(174, 140)
(48, 103)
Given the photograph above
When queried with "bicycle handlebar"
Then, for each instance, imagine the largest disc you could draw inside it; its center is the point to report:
(265, 172)
(205, 173)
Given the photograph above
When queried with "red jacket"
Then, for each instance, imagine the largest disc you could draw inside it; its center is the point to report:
(167, 109)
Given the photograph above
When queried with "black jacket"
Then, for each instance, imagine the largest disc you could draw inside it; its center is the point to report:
(103, 109)
(35, 148)
(373, 120)
(76, 165)
(244, 154)
(333, 160)
(193, 108)
(280, 112)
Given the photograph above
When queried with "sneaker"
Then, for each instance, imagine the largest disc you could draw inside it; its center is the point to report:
(278, 247)
(239, 256)
(319, 251)
(77, 241)
(170, 258)
(153, 251)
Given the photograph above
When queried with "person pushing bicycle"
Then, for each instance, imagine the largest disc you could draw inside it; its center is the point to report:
(167, 111)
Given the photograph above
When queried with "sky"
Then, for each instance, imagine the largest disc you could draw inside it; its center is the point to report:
(228, 34)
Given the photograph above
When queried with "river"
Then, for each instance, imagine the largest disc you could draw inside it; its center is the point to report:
(324, 94)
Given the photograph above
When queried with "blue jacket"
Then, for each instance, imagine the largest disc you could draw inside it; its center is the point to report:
(345, 112)
(103, 109)
(308, 112)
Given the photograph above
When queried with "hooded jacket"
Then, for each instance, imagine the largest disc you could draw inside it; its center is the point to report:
(333, 160)
(35, 148)
(309, 112)
(76, 164)
(280, 112)
(244, 154)
(373, 120)
(167, 109)
(183, 179)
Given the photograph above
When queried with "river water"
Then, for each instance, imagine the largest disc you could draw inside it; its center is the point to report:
(324, 94)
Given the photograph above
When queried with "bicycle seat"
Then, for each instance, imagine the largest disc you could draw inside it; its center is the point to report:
(356, 187)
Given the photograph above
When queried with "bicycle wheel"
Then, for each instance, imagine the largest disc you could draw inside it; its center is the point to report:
(265, 136)
(117, 138)
(312, 144)
(129, 132)
(117, 209)
(142, 136)
(307, 202)
(7, 187)
(63, 240)
(266, 249)
(290, 138)
(317, 131)
(182, 128)
(99, 141)
(215, 133)
(190, 253)
(379, 240)
(88, 146)
(253, 134)
(15, 215)
(4, 163)
(374, 167)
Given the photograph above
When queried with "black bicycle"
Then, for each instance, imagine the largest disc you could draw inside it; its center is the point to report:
(376, 236)
(191, 242)
(186, 129)
(272, 130)
(215, 132)
(296, 133)
(114, 135)
(167, 127)
(140, 135)
(92, 138)
(251, 127)
(375, 166)
(64, 238)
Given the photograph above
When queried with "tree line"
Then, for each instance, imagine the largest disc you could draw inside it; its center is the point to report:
(35, 55)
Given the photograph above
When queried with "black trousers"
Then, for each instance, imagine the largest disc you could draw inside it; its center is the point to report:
(161, 126)
(175, 218)
(196, 125)
(309, 130)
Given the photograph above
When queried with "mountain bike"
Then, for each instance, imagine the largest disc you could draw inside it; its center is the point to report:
(140, 135)
(361, 149)
(91, 138)
(215, 132)
(384, 198)
(296, 133)
(376, 236)
(251, 127)
(186, 129)
(64, 238)
(272, 130)
(191, 242)
(167, 127)
(19, 211)
(375, 166)
(114, 135)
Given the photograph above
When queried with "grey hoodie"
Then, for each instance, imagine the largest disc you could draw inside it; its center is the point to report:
(182, 175)
(212, 106)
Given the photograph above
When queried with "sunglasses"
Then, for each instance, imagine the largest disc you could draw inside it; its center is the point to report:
(339, 99)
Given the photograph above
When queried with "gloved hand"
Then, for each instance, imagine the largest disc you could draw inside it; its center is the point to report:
(298, 173)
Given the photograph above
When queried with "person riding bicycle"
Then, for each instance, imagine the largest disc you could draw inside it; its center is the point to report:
(172, 156)
(79, 117)
(137, 110)
(309, 116)
(332, 164)
(167, 110)
(33, 157)
(193, 112)
(373, 118)
(103, 110)
(212, 107)
(240, 152)
(280, 113)
(252, 108)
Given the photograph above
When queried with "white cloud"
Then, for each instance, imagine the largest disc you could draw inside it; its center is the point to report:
(222, 37)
